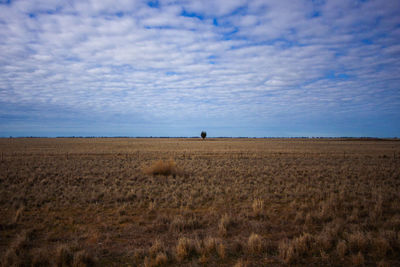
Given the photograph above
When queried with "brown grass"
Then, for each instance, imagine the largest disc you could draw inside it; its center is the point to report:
(258, 206)
(254, 244)
(162, 167)
(184, 248)
(161, 259)
(64, 257)
(341, 249)
(307, 202)
(225, 224)
(357, 259)
(221, 250)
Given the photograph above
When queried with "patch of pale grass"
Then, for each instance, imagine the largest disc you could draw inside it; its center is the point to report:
(162, 167)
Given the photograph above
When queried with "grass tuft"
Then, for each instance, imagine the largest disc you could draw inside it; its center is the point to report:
(64, 256)
(254, 244)
(358, 259)
(184, 248)
(258, 207)
(83, 259)
(224, 225)
(161, 259)
(162, 167)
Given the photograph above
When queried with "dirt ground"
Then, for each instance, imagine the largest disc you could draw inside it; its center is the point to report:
(226, 202)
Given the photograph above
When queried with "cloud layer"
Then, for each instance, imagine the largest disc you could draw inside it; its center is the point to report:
(239, 64)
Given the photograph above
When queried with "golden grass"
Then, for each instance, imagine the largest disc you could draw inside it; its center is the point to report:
(254, 202)
(254, 244)
(184, 248)
(162, 167)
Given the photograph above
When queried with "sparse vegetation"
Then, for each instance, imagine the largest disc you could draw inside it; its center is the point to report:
(229, 202)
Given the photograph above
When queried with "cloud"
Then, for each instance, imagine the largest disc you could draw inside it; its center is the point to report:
(220, 61)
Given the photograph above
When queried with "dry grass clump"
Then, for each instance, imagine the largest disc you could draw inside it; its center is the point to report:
(162, 167)
(225, 224)
(210, 244)
(258, 206)
(161, 259)
(297, 248)
(156, 247)
(157, 254)
(254, 244)
(208, 247)
(221, 250)
(286, 251)
(184, 248)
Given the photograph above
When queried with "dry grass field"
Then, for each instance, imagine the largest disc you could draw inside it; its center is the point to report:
(189, 202)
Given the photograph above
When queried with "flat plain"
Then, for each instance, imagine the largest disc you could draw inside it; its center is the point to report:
(220, 202)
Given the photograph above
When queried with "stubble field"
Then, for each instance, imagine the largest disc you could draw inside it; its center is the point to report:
(226, 202)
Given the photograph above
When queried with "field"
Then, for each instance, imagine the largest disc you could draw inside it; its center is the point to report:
(189, 202)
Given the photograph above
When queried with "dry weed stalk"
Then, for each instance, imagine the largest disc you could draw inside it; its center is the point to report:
(18, 214)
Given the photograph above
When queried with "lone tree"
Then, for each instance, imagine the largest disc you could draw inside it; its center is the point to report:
(203, 134)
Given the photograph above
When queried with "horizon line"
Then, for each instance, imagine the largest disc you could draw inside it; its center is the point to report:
(211, 137)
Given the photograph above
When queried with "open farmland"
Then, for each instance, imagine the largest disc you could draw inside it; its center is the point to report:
(232, 202)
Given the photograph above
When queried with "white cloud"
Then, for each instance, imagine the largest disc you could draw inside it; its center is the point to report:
(221, 58)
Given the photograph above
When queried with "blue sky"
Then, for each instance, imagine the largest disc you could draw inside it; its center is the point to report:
(174, 68)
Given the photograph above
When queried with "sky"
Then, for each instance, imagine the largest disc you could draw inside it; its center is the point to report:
(261, 68)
